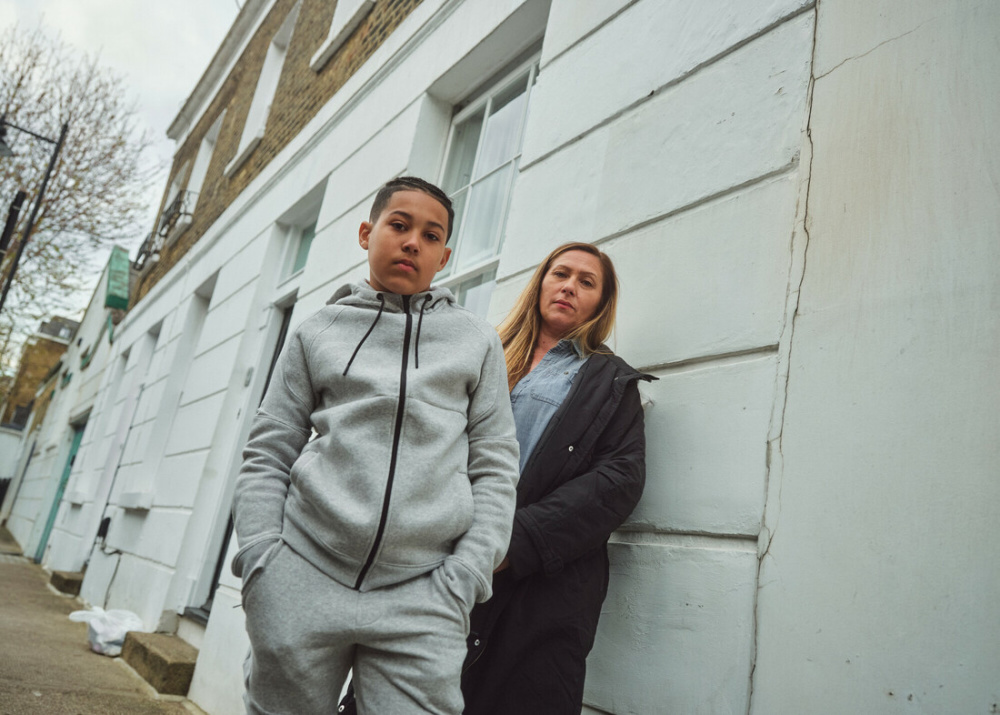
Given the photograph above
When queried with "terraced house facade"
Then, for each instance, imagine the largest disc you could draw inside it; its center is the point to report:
(779, 183)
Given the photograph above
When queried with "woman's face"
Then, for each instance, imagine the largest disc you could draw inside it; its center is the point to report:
(571, 292)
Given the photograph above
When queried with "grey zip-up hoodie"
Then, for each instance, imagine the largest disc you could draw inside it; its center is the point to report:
(415, 463)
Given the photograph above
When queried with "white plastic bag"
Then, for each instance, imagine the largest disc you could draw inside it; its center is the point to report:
(106, 629)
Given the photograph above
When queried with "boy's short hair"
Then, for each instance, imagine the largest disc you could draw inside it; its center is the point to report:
(411, 183)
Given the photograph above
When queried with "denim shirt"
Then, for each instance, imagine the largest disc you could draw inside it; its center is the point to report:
(537, 396)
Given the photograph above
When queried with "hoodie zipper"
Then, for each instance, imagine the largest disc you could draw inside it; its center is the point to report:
(395, 446)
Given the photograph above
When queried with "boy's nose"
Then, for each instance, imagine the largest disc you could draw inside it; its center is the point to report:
(411, 243)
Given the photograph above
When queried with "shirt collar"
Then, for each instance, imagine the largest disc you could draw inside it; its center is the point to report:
(567, 346)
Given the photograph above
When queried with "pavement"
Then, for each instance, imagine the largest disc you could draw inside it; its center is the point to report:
(46, 665)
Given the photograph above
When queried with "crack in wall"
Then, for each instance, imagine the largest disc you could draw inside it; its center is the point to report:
(798, 252)
(867, 52)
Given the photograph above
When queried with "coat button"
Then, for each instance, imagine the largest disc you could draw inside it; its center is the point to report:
(571, 448)
(475, 642)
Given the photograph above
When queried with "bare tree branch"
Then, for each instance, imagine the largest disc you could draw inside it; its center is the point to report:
(96, 192)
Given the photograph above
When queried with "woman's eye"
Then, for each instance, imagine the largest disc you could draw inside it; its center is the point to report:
(589, 284)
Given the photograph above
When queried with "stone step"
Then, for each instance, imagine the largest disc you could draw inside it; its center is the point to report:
(164, 661)
(67, 581)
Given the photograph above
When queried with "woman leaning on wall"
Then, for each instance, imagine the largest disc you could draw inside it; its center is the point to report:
(580, 428)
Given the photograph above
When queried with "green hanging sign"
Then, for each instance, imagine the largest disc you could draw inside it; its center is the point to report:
(118, 270)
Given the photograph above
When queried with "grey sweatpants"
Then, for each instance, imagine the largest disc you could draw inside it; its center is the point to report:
(406, 643)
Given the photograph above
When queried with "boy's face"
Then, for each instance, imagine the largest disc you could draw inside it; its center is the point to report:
(406, 245)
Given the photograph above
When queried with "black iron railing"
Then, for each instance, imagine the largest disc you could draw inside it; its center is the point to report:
(149, 251)
(179, 208)
(182, 206)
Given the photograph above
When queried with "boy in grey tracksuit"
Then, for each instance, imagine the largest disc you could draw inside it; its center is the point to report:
(367, 546)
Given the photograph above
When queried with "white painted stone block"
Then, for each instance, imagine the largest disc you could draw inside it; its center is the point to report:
(877, 590)
(569, 20)
(178, 477)
(65, 546)
(852, 28)
(211, 370)
(706, 448)
(101, 569)
(381, 157)
(217, 686)
(737, 120)
(505, 295)
(226, 318)
(665, 39)
(335, 250)
(552, 203)
(144, 533)
(149, 401)
(708, 281)
(676, 632)
(194, 425)
(140, 586)
(242, 268)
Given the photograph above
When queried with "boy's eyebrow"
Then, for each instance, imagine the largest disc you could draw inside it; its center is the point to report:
(408, 217)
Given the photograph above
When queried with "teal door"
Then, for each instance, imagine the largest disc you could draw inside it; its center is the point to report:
(43, 542)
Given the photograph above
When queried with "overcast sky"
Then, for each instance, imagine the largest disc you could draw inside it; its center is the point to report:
(161, 47)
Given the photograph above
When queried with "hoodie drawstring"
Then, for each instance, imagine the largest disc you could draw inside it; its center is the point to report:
(381, 299)
(416, 344)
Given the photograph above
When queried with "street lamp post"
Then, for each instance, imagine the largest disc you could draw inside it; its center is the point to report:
(5, 151)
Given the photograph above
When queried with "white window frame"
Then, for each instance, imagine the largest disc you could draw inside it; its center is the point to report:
(480, 99)
(346, 17)
(263, 96)
(295, 235)
(204, 158)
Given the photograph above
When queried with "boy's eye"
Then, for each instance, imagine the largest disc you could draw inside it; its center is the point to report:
(399, 226)
(433, 237)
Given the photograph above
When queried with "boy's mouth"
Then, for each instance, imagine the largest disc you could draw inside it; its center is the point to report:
(407, 265)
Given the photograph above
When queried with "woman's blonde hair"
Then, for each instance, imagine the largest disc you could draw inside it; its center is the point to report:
(520, 329)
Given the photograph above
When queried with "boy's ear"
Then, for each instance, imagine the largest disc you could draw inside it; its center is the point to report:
(363, 233)
(444, 258)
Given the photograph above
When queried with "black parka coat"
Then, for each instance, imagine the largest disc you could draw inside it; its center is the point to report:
(528, 644)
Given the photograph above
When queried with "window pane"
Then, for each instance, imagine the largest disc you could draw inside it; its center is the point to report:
(458, 204)
(302, 252)
(463, 153)
(503, 128)
(482, 222)
(476, 292)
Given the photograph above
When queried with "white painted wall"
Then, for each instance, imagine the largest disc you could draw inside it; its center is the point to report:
(877, 590)
(36, 485)
(801, 204)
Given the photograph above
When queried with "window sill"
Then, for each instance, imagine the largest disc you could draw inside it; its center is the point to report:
(138, 501)
(338, 36)
(237, 162)
(76, 498)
